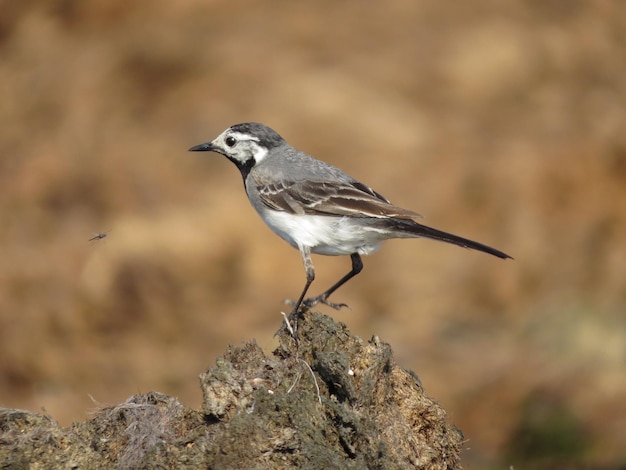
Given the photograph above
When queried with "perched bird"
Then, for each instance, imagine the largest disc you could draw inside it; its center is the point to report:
(316, 207)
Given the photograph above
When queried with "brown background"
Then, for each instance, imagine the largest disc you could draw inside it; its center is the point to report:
(502, 122)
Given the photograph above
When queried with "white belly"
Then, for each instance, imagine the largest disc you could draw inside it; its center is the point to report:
(325, 235)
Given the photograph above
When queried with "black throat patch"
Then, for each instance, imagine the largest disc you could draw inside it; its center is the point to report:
(244, 167)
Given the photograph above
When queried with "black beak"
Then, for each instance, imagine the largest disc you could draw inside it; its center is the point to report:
(206, 147)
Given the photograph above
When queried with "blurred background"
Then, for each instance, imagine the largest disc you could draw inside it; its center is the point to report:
(502, 122)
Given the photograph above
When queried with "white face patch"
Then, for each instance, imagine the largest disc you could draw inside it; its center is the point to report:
(240, 147)
(259, 152)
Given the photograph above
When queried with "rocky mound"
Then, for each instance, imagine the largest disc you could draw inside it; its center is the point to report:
(330, 401)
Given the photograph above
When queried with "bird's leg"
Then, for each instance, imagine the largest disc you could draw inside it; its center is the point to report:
(357, 266)
(305, 251)
(310, 276)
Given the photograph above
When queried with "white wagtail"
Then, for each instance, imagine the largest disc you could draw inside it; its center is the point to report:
(315, 206)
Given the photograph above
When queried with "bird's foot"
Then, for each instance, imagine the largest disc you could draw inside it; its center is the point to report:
(323, 299)
(312, 302)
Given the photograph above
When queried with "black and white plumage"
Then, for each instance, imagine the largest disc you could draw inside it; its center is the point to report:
(315, 206)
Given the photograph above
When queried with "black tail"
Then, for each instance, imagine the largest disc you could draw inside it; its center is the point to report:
(413, 229)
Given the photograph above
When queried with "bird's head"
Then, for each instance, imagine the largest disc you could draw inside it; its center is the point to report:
(245, 144)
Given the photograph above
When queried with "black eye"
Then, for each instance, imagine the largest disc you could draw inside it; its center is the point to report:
(230, 141)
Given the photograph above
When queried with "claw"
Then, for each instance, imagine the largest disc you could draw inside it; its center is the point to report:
(313, 301)
(335, 306)
(323, 300)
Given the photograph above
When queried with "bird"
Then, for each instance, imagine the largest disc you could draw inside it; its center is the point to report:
(316, 207)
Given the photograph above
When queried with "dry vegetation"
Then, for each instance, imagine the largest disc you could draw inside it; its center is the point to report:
(501, 122)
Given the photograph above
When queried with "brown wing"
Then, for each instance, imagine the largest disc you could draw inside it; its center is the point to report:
(352, 199)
